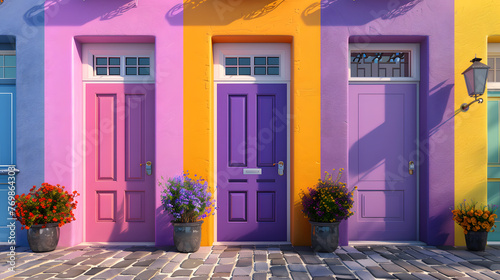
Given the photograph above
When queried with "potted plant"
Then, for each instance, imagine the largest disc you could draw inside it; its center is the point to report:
(476, 221)
(42, 211)
(326, 205)
(188, 200)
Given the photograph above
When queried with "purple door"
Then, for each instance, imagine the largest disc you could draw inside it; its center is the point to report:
(382, 148)
(251, 144)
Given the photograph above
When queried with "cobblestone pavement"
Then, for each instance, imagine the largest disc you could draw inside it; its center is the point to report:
(253, 262)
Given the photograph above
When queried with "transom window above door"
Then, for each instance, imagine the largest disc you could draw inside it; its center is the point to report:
(118, 62)
(251, 62)
(252, 65)
(384, 62)
(7, 65)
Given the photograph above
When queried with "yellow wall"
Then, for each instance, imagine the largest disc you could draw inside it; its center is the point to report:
(205, 19)
(475, 22)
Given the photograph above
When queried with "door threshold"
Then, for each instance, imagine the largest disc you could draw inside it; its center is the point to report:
(397, 243)
(119, 243)
(234, 243)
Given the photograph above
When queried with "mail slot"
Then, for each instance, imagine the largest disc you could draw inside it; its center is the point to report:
(252, 171)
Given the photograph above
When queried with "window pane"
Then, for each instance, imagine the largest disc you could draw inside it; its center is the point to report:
(497, 76)
(143, 70)
(245, 71)
(114, 61)
(143, 61)
(1, 60)
(10, 60)
(231, 71)
(101, 71)
(490, 62)
(491, 78)
(101, 61)
(273, 61)
(259, 61)
(131, 71)
(497, 63)
(114, 70)
(131, 61)
(231, 61)
(273, 70)
(244, 60)
(259, 71)
(10, 73)
(1, 72)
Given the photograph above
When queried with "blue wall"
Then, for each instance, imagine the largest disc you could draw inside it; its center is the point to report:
(22, 23)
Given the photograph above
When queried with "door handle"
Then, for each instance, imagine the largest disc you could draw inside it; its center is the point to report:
(411, 167)
(281, 167)
(7, 171)
(148, 167)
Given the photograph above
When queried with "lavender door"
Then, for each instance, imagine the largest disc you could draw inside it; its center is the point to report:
(120, 140)
(382, 148)
(251, 142)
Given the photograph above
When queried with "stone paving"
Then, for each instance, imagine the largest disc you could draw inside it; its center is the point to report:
(253, 263)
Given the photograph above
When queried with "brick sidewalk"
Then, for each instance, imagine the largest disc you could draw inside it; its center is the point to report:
(253, 262)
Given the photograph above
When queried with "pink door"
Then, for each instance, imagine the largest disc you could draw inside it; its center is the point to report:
(382, 148)
(120, 140)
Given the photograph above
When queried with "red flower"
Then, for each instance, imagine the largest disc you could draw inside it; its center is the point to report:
(55, 219)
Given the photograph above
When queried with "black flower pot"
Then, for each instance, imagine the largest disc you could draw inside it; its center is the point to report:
(187, 236)
(476, 240)
(324, 236)
(43, 239)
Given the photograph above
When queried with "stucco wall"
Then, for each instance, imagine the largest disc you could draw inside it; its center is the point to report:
(244, 20)
(429, 23)
(475, 23)
(24, 21)
(69, 24)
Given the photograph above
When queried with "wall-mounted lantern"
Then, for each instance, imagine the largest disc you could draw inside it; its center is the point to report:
(475, 79)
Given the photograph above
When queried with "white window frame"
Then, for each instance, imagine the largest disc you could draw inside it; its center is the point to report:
(413, 49)
(122, 51)
(223, 50)
(493, 50)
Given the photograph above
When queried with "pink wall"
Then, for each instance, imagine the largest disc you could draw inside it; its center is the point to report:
(68, 25)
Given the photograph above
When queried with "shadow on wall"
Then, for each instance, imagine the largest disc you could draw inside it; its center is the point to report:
(356, 12)
(61, 12)
(219, 12)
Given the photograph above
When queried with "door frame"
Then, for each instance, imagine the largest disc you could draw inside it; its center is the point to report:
(414, 50)
(238, 49)
(110, 49)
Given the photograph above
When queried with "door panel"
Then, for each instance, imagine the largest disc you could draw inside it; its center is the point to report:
(494, 156)
(7, 152)
(120, 140)
(382, 133)
(251, 138)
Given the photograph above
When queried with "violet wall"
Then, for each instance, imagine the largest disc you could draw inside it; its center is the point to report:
(429, 23)
(69, 24)
(22, 30)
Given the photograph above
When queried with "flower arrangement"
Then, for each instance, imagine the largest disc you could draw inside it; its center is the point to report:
(472, 217)
(187, 199)
(329, 201)
(47, 204)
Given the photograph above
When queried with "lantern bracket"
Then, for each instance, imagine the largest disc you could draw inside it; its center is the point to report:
(465, 106)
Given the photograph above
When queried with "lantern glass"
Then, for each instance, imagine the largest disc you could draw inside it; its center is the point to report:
(469, 81)
(480, 77)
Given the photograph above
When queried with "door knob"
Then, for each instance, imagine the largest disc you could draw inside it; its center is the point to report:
(148, 167)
